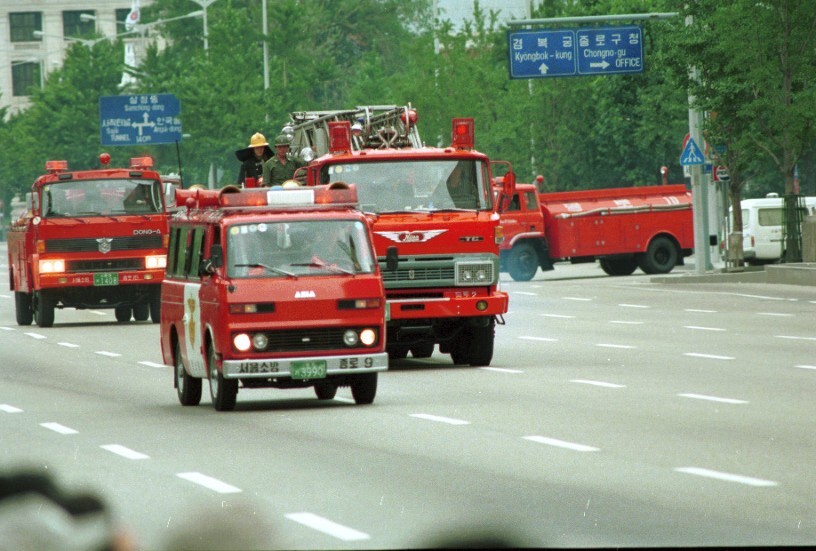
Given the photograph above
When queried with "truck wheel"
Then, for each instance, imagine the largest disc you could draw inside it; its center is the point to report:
(187, 387)
(44, 311)
(141, 311)
(474, 346)
(660, 256)
(123, 313)
(155, 307)
(618, 265)
(325, 390)
(523, 262)
(364, 388)
(222, 391)
(422, 350)
(396, 352)
(22, 306)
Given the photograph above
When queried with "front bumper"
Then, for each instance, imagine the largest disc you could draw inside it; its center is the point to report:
(350, 364)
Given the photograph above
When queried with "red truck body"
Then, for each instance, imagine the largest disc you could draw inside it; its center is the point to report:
(623, 228)
(90, 239)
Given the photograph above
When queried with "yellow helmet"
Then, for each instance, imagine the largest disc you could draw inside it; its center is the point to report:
(257, 140)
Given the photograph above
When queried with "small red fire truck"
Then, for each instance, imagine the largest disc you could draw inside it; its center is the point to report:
(272, 288)
(90, 239)
(433, 208)
(623, 228)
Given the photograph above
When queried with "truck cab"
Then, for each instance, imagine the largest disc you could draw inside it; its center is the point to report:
(272, 288)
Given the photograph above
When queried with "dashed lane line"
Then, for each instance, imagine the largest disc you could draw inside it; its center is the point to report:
(328, 527)
(728, 477)
(634, 306)
(10, 409)
(36, 336)
(562, 444)
(701, 328)
(440, 419)
(776, 314)
(700, 311)
(580, 299)
(108, 354)
(61, 429)
(712, 398)
(538, 339)
(621, 346)
(794, 338)
(708, 356)
(209, 482)
(7, 328)
(806, 366)
(501, 369)
(127, 453)
(154, 364)
(597, 383)
(558, 316)
(68, 344)
(626, 322)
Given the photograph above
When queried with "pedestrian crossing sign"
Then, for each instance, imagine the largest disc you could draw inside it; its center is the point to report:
(691, 154)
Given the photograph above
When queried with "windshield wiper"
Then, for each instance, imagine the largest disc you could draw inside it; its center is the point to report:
(330, 267)
(268, 268)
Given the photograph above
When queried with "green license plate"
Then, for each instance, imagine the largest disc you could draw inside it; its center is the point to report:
(312, 369)
(106, 278)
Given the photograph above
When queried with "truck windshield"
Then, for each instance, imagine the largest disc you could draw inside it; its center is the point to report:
(299, 248)
(101, 198)
(395, 186)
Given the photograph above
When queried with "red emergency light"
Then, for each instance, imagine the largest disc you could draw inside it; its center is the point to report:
(337, 193)
(409, 118)
(54, 167)
(462, 134)
(339, 137)
(141, 162)
(104, 159)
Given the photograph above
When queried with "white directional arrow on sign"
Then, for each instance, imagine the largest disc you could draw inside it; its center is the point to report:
(602, 64)
(543, 68)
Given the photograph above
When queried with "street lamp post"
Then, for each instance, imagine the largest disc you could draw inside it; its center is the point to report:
(89, 42)
(204, 5)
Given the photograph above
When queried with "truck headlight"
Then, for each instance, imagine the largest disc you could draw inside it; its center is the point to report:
(156, 262)
(54, 266)
(350, 337)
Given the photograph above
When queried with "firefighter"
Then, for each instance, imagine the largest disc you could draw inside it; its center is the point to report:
(253, 158)
(280, 168)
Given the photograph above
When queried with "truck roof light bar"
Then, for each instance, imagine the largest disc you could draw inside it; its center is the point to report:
(141, 162)
(462, 133)
(54, 167)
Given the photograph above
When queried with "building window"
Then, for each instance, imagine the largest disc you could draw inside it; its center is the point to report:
(23, 24)
(121, 18)
(25, 77)
(74, 26)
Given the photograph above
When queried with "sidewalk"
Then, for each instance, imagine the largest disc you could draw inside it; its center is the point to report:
(802, 273)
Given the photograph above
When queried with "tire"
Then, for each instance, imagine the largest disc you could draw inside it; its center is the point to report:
(141, 311)
(325, 390)
(474, 346)
(188, 388)
(364, 388)
(422, 350)
(155, 307)
(397, 352)
(523, 262)
(22, 307)
(618, 265)
(223, 392)
(123, 313)
(44, 311)
(660, 257)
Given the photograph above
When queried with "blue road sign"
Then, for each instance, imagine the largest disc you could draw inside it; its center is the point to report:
(139, 119)
(610, 50)
(538, 54)
(691, 154)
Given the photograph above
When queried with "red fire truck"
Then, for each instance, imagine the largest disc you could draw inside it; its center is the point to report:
(90, 239)
(272, 288)
(432, 210)
(623, 228)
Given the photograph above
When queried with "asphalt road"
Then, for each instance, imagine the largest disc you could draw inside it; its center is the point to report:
(616, 412)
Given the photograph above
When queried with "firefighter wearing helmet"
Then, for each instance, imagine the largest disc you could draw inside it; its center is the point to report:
(252, 159)
(280, 167)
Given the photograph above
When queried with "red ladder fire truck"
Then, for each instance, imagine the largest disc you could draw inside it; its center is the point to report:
(272, 288)
(90, 239)
(433, 209)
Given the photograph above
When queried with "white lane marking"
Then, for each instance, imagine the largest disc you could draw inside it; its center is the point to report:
(524, 293)
(701, 328)
(68, 344)
(209, 483)
(561, 444)
(9, 408)
(713, 398)
(624, 322)
(36, 336)
(502, 369)
(634, 305)
(759, 296)
(439, 419)
(98, 312)
(154, 364)
(327, 526)
(708, 356)
(124, 452)
(5, 296)
(540, 339)
(699, 311)
(806, 366)
(582, 299)
(559, 316)
(728, 477)
(108, 354)
(795, 338)
(774, 314)
(597, 383)
(622, 346)
(56, 427)
(345, 400)
(6, 328)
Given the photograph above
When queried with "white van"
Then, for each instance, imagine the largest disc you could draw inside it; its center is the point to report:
(762, 227)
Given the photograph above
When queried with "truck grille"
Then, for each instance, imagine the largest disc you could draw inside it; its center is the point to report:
(435, 274)
(304, 340)
(91, 244)
(113, 265)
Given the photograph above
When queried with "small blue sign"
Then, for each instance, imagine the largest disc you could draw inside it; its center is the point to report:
(610, 50)
(691, 154)
(139, 119)
(538, 54)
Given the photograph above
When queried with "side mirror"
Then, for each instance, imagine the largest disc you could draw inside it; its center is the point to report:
(208, 266)
(169, 195)
(391, 259)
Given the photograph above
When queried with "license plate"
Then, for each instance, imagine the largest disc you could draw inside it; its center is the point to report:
(106, 278)
(312, 369)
